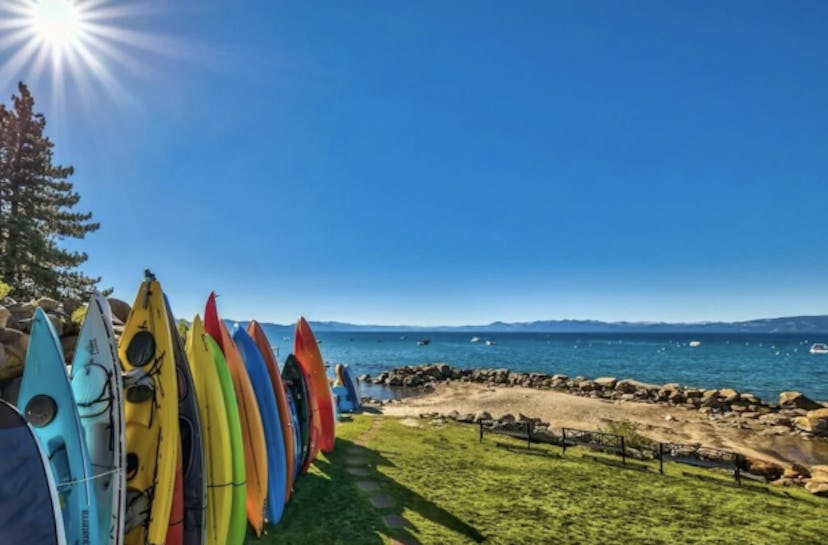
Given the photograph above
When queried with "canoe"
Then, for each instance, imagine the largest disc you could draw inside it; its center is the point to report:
(151, 410)
(255, 455)
(192, 449)
(212, 414)
(274, 440)
(29, 503)
(294, 379)
(47, 401)
(96, 384)
(285, 418)
(307, 352)
(237, 517)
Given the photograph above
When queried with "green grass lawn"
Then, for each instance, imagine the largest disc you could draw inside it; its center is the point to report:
(454, 490)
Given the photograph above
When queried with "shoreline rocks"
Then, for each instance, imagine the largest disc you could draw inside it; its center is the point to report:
(795, 413)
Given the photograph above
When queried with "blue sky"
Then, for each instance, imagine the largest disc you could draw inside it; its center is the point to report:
(455, 162)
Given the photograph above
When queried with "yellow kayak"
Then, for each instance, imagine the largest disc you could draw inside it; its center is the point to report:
(215, 434)
(151, 413)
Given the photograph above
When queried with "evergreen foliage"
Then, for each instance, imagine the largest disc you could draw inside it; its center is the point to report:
(36, 209)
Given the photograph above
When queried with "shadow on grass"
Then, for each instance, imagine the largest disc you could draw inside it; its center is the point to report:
(403, 497)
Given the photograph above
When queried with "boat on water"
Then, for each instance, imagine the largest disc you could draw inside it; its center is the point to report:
(423, 342)
(819, 348)
(695, 344)
(490, 342)
(475, 340)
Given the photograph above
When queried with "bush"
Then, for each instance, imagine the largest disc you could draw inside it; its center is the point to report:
(630, 432)
(79, 315)
(5, 289)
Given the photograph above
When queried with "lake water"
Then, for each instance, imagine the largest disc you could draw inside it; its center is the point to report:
(761, 364)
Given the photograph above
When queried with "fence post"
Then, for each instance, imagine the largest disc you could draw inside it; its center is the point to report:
(563, 441)
(623, 452)
(737, 474)
(661, 458)
(481, 430)
(528, 435)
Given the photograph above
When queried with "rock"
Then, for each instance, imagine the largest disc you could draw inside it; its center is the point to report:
(765, 469)
(482, 415)
(819, 413)
(69, 344)
(819, 473)
(811, 425)
(729, 395)
(676, 397)
(452, 415)
(47, 304)
(507, 418)
(11, 390)
(15, 343)
(796, 471)
(797, 400)
(467, 418)
(71, 305)
(818, 488)
(775, 419)
(57, 323)
(4, 316)
(412, 380)
(670, 418)
(606, 382)
(120, 309)
(366, 378)
(394, 380)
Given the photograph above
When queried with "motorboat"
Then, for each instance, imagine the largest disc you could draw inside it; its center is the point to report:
(490, 342)
(819, 348)
(423, 342)
(695, 344)
(475, 340)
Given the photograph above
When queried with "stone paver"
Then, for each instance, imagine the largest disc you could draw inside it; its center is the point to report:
(359, 471)
(367, 485)
(356, 461)
(395, 521)
(381, 501)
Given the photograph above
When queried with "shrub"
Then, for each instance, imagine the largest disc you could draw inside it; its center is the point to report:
(5, 289)
(630, 431)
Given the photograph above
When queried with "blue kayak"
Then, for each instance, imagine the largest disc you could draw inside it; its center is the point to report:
(47, 401)
(274, 440)
(29, 503)
(297, 439)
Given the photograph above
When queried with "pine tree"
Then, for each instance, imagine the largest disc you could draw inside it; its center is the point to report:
(36, 209)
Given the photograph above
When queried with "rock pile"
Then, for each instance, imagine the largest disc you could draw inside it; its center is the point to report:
(793, 414)
(15, 326)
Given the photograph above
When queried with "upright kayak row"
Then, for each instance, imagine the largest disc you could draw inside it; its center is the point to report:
(156, 439)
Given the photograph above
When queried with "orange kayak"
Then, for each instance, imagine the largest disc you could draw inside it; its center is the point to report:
(316, 426)
(307, 352)
(253, 438)
(258, 335)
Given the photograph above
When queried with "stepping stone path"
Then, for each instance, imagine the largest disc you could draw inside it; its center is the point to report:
(359, 466)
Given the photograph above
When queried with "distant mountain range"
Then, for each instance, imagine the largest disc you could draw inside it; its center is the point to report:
(792, 324)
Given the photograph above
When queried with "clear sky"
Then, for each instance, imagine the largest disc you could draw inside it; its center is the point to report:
(452, 162)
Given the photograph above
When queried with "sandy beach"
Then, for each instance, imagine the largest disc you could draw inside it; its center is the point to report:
(659, 423)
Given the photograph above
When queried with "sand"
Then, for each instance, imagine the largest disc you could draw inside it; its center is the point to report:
(657, 422)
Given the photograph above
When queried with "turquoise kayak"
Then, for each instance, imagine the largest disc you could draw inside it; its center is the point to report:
(47, 401)
(274, 440)
(97, 387)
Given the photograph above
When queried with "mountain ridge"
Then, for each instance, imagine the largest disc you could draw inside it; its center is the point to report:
(787, 324)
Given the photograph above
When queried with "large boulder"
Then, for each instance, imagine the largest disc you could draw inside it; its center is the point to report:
(4, 316)
(797, 400)
(15, 343)
(729, 395)
(765, 469)
(47, 304)
(818, 488)
(120, 309)
(811, 425)
(606, 382)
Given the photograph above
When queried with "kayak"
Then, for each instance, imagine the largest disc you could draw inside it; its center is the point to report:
(192, 449)
(285, 418)
(96, 384)
(255, 454)
(307, 352)
(265, 398)
(295, 382)
(151, 410)
(29, 503)
(48, 403)
(218, 461)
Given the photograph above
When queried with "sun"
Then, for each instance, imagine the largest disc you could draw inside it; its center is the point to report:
(58, 24)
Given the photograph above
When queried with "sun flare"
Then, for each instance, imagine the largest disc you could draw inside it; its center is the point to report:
(57, 23)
